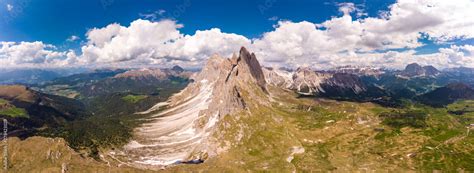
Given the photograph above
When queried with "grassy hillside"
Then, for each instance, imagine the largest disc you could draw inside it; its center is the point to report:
(295, 134)
(39, 154)
(306, 135)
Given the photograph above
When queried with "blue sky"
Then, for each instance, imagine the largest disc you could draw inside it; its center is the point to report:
(321, 34)
(53, 21)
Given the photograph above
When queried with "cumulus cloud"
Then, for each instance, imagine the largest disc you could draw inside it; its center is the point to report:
(156, 42)
(346, 8)
(30, 54)
(344, 39)
(341, 40)
(459, 55)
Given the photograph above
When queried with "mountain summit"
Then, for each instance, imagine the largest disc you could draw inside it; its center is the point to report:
(183, 131)
(415, 70)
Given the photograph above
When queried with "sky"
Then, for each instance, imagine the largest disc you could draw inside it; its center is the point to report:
(318, 34)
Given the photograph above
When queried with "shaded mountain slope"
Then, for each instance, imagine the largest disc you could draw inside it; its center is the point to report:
(448, 94)
(42, 111)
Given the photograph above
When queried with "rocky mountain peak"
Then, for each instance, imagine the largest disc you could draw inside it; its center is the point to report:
(303, 69)
(413, 68)
(416, 70)
(177, 68)
(430, 70)
(248, 62)
(224, 87)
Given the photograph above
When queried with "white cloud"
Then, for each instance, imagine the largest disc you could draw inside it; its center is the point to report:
(72, 38)
(459, 55)
(30, 54)
(156, 43)
(9, 7)
(342, 40)
(346, 8)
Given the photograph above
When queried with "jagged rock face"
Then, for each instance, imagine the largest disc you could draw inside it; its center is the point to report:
(346, 81)
(415, 70)
(342, 85)
(279, 78)
(183, 132)
(308, 82)
(360, 71)
(431, 71)
(229, 77)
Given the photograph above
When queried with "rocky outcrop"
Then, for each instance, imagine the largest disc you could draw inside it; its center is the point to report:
(415, 70)
(182, 132)
(345, 81)
(177, 68)
(307, 81)
(277, 77)
(431, 71)
(359, 70)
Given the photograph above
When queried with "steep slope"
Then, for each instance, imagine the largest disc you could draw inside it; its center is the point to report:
(36, 111)
(446, 95)
(182, 132)
(332, 85)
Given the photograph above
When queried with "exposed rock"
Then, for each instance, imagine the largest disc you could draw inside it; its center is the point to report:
(345, 82)
(359, 70)
(182, 133)
(280, 78)
(177, 68)
(307, 81)
(415, 70)
(431, 71)
(63, 168)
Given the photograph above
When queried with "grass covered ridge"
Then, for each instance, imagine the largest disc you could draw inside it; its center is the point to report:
(342, 136)
(10, 110)
(133, 98)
